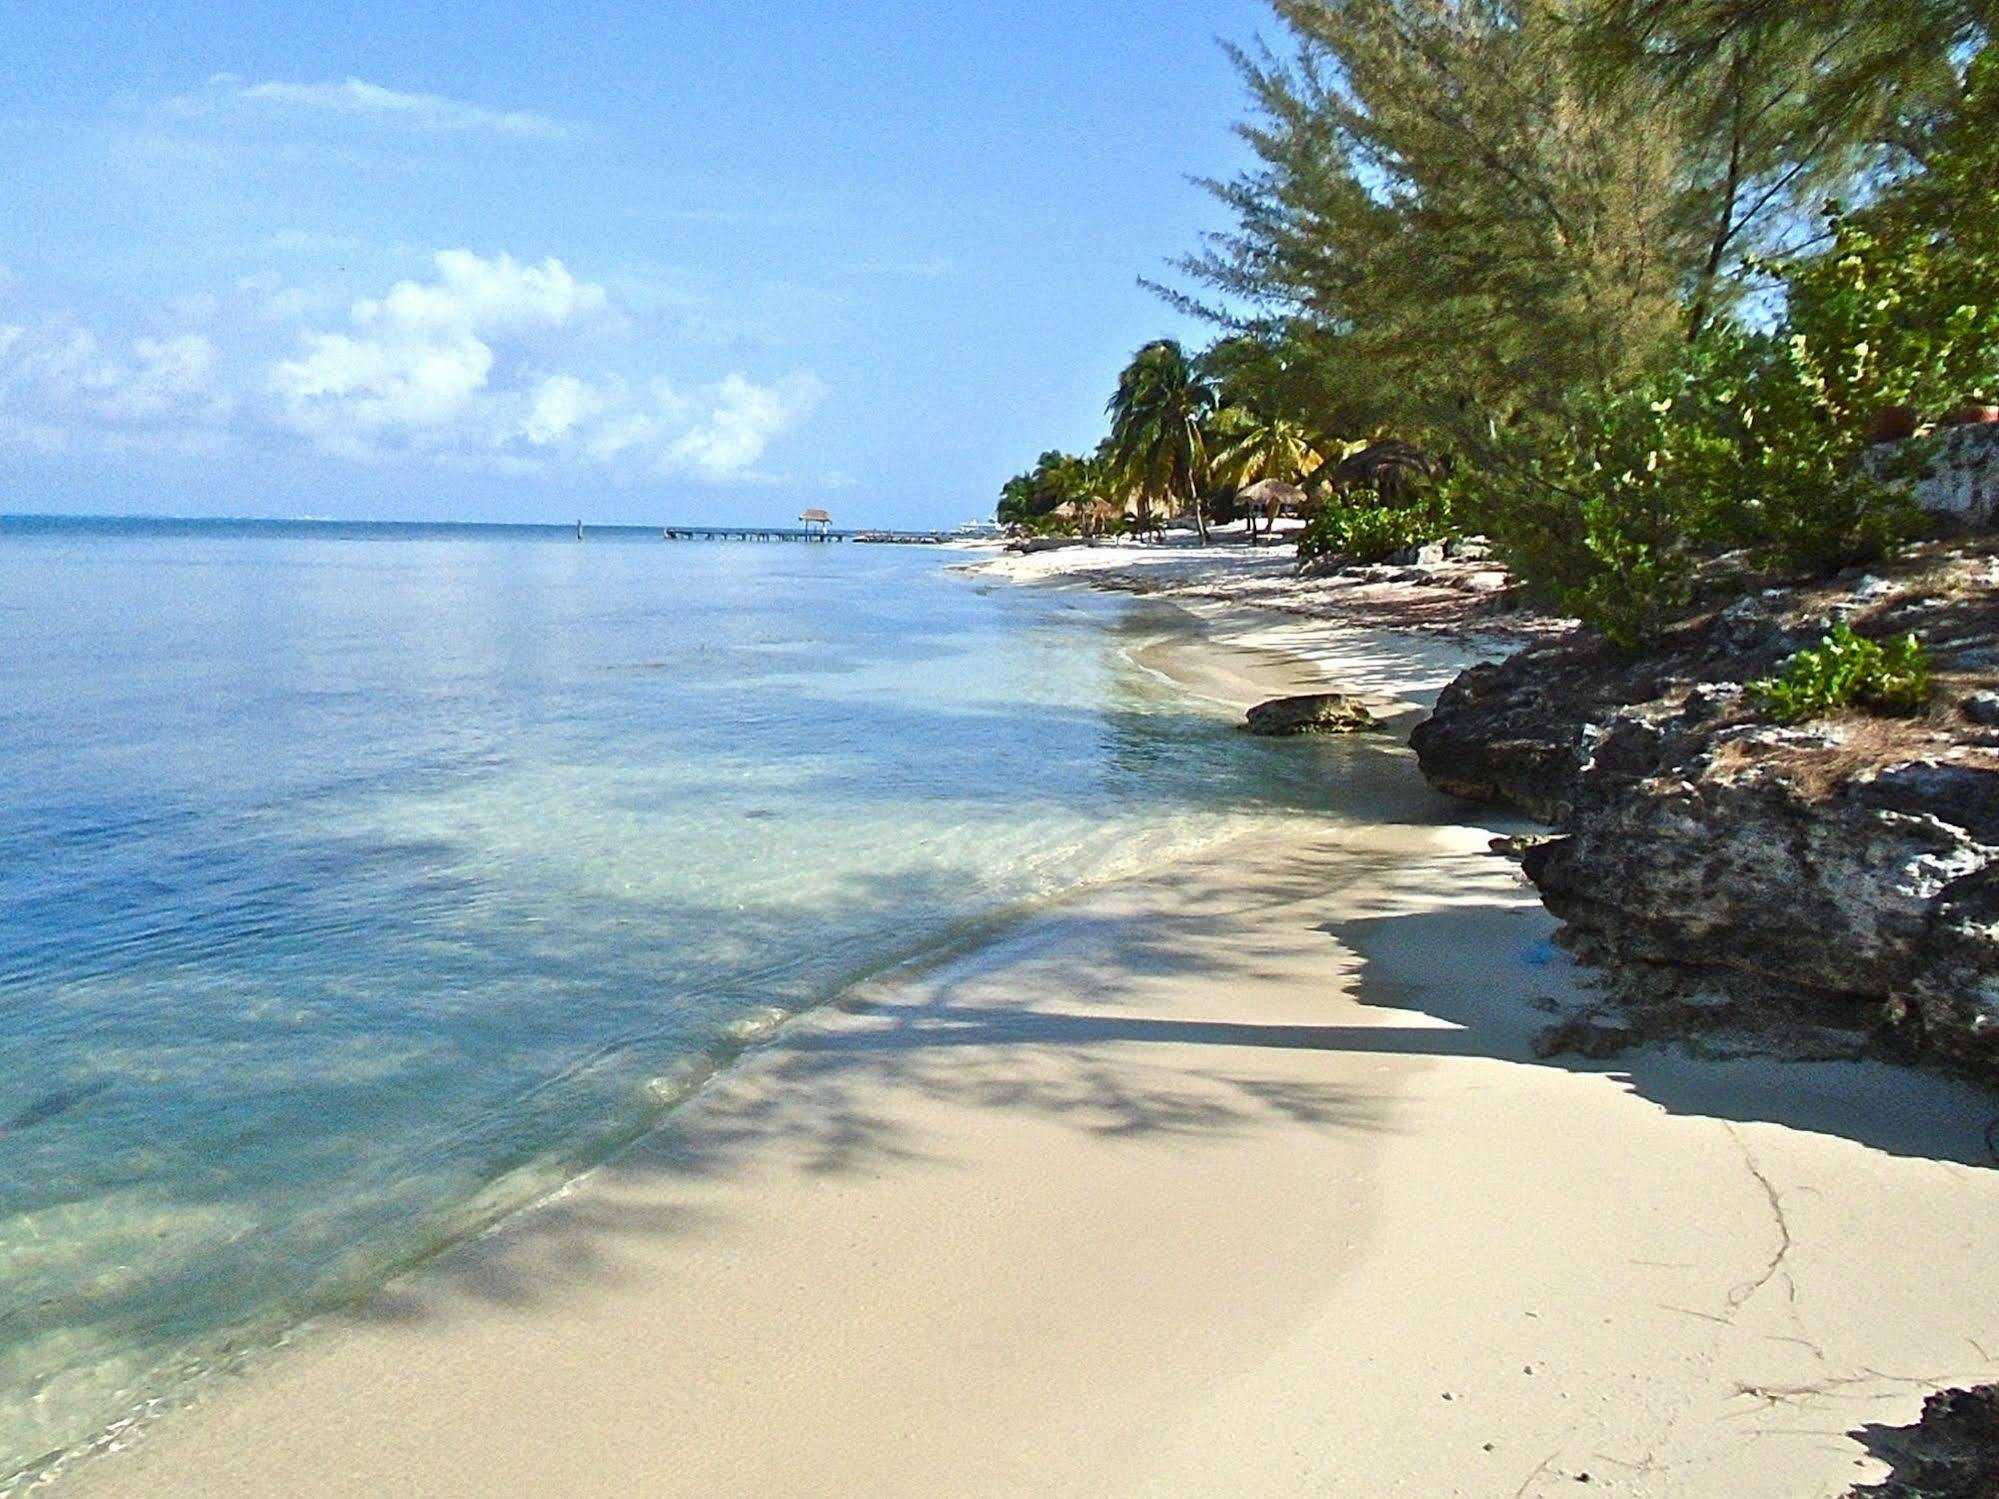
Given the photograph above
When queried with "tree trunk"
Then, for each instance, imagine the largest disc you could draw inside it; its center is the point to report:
(1194, 498)
(1726, 227)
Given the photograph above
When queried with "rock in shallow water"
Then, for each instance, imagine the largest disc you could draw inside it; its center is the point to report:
(1311, 713)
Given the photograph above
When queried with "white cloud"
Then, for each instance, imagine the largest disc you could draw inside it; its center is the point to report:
(498, 295)
(225, 93)
(416, 369)
(558, 405)
(485, 364)
(61, 389)
(738, 422)
(456, 369)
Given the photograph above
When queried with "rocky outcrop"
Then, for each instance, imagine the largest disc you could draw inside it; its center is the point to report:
(1310, 713)
(1510, 732)
(1952, 1452)
(1957, 479)
(1842, 872)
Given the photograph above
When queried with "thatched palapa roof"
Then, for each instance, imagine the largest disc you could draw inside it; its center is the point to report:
(1263, 491)
(1389, 468)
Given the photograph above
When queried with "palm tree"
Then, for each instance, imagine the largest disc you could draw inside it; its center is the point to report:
(1156, 427)
(1245, 446)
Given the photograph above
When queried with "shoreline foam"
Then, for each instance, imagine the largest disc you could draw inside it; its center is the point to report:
(1239, 1178)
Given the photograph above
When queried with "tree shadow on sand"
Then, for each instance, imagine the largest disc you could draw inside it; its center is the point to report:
(1894, 1109)
(1084, 1048)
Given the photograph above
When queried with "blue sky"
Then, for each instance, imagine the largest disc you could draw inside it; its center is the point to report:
(624, 261)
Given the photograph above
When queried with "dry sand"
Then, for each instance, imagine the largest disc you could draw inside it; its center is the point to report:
(1237, 1180)
(1455, 599)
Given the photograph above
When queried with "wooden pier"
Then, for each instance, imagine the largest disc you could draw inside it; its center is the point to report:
(793, 533)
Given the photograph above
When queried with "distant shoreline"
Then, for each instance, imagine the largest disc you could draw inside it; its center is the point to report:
(34, 523)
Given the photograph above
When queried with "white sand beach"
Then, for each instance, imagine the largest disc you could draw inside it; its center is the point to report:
(1239, 1179)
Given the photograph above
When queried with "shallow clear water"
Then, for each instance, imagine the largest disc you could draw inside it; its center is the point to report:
(359, 883)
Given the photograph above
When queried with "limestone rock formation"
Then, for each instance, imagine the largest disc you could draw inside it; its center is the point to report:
(1841, 872)
(1959, 479)
(1952, 1452)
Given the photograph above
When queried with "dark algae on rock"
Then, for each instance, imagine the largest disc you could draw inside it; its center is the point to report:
(1834, 880)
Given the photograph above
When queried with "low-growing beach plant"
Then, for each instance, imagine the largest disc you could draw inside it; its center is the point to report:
(1847, 670)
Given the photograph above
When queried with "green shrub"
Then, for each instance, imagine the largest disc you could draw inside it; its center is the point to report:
(1603, 512)
(1903, 308)
(1360, 529)
(1609, 510)
(1847, 670)
(1752, 440)
(1781, 458)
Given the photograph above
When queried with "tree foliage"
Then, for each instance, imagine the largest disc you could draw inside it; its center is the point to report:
(1782, 106)
(1460, 220)
(1869, 58)
(1244, 444)
(1056, 479)
(1753, 439)
(1905, 301)
(1158, 443)
(1468, 209)
(1625, 283)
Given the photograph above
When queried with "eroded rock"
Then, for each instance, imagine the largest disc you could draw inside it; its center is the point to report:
(1311, 713)
(1952, 1452)
(1841, 873)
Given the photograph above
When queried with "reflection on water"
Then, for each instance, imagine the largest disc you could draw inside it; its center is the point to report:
(357, 886)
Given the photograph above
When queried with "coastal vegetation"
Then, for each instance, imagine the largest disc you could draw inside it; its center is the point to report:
(1640, 281)
(1846, 669)
(1158, 441)
(1369, 532)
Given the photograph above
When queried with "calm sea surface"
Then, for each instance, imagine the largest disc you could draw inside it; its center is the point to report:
(358, 883)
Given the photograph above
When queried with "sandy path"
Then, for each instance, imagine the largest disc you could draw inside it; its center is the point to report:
(1237, 1180)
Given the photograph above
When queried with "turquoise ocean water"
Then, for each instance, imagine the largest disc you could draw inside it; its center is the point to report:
(359, 883)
